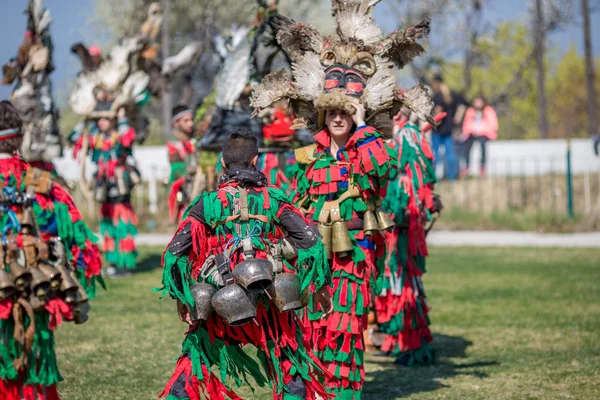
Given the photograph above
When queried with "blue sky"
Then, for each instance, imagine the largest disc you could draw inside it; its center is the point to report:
(71, 24)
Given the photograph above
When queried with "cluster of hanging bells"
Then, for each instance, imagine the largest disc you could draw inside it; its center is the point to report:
(334, 230)
(41, 281)
(237, 298)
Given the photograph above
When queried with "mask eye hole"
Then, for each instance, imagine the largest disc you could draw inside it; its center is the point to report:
(331, 83)
(354, 87)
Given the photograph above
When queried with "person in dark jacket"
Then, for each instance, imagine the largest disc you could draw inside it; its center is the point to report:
(454, 105)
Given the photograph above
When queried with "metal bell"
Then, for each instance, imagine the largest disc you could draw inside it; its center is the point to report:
(68, 285)
(370, 223)
(233, 305)
(53, 275)
(7, 287)
(285, 292)
(202, 294)
(19, 275)
(325, 231)
(80, 312)
(27, 221)
(288, 251)
(37, 304)
(40, 285)
(254, 274)
(383, 220)
(340, 238)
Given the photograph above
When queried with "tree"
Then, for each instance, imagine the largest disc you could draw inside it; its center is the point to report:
(540, 39)
(567, 97)
(196, 20)
(457, 25)
(589, 69)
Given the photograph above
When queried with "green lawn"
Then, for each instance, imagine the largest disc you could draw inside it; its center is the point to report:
(508, 324)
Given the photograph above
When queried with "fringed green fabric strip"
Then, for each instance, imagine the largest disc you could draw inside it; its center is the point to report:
(424, 355)
(7, 353)
(313, 267)
(231, 360)
(43, 355)
(347, 394)
(177, 267)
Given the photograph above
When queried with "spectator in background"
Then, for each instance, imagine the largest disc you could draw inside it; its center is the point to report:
(454, 105)
(480, 125)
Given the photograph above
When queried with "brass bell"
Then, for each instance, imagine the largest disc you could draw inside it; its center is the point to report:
(325, 231)
(68, 286)
(19, 275)
(27, 221)
(383, 220)
(340, 238)
(36, 303)
(53, 275)
(370, 223)
(40, 285)
(7, 287)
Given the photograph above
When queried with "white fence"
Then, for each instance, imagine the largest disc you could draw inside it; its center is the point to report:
(511, 157)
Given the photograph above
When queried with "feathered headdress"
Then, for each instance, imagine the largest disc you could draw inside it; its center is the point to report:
(356, 64)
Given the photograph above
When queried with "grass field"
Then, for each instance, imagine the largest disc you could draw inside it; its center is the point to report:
(508, 324)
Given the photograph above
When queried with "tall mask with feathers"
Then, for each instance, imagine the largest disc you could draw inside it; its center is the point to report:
(356, 64)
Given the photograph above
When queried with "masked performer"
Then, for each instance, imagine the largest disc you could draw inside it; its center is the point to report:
(345, 80)
(238, 265)
(401, 307)
(50, 267)
(182, 157)
(277, 159)
(32, 94)
(108, 139)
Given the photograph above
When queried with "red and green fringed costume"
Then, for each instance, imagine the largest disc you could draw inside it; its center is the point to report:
(278, 167)
(401, 305)
(283, 358)
(180, 153)
(114, 181)
(364, 164)
(56, 217)
(180, 157)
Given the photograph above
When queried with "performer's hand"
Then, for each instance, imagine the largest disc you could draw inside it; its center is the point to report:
(184, 314)
(323, 297)
(359, 114)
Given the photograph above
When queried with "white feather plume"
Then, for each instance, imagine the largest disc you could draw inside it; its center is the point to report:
(181, 59)
(272, 88)
(355, 24)
(380, 87)
(235, 73)
(309, 76)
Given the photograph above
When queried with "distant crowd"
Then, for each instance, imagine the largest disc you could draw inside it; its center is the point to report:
(464, 125)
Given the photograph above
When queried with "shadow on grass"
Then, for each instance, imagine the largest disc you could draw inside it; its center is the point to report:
(148, 263)
(389, 381)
